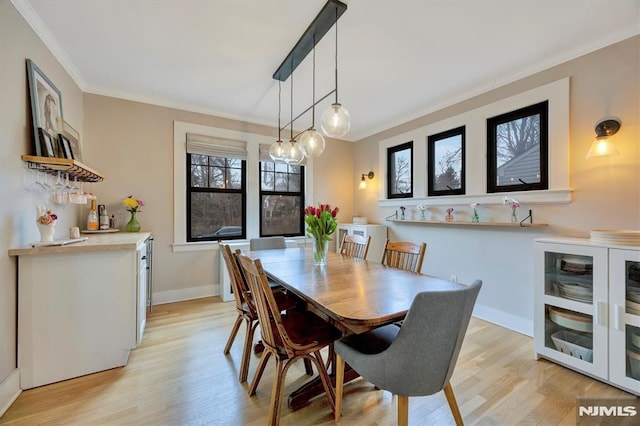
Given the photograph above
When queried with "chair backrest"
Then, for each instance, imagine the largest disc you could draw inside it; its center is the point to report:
(404, 255)
(239, 286)
(421, 359)
(355, 246)
(267, 243)
(272, 329)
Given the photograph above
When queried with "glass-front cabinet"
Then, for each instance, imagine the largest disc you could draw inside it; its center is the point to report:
(585, 316)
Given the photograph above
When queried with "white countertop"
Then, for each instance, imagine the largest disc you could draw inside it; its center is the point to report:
(100, 242)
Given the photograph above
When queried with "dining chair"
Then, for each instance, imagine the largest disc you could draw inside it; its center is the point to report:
(416, 359)
(246, 309)
(404, 255)
(288, 337)
(355, 246)
(267, 243)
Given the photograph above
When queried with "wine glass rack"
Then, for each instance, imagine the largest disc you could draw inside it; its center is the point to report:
(52, 166)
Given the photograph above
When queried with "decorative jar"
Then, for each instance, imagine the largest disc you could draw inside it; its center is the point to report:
(133, 225)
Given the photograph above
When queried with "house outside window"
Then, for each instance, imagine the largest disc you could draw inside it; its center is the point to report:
(216, 189)
(400, 171)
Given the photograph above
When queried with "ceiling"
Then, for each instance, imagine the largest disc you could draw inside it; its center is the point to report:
(397, 60)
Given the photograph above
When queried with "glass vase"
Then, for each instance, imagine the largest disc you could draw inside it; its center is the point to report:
(46, 231)
(475, 218)
(514, 216)
(133, 225)
(320, 248)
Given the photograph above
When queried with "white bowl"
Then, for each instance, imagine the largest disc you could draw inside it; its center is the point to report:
(571, 319)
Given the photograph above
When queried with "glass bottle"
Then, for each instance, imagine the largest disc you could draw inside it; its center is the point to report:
(92, 218)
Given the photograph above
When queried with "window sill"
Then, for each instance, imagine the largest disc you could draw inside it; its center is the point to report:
(213, 245)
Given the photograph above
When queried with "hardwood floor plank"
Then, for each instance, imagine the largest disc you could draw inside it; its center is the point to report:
(179, 376)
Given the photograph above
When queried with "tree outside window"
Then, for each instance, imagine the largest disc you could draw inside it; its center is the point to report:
(446, 162)
(281, 199)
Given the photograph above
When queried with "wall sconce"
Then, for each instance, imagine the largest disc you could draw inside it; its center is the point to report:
(602, 146)
(363, 181)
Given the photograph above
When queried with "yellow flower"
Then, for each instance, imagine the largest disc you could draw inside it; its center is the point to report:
(132, 204)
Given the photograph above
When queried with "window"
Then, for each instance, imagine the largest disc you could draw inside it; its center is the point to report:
(400, 171)
(281, 199)
(216, 189)
(446, 162)
(517, 151)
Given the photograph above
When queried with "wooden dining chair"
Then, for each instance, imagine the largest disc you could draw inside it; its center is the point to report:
(404, 255)
(416, 359)
(355, 246)
(288, 337)
(246, 309)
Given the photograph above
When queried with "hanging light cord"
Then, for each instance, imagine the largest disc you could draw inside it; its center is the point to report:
(313, 95)
(336, 24)
(279, 106)
(291, 123)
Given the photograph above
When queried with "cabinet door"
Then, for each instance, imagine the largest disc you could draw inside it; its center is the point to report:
(624, 338)
(141, 305)
(571, 299)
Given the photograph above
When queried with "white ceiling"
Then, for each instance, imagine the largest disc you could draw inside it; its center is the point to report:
(397, 60)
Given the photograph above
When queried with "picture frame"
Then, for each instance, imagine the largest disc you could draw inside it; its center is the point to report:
(65, 147)
(46, 104)
(73, 136)
(446, 162)
(48, 147)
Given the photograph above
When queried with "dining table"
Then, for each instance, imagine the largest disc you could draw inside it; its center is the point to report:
(354, 295)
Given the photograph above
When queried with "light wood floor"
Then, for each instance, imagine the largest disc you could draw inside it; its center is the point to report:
(179, 376)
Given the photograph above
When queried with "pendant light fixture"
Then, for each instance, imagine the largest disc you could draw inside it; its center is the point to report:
(276, 150)
(335, 120)
(311, 141)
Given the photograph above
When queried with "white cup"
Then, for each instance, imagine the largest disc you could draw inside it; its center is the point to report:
(74, 232)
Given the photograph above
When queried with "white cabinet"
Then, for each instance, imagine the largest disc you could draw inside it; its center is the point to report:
(582, 318)
(378, 235)
(141, 295)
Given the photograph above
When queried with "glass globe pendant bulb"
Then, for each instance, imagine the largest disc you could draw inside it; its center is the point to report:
(335, 121)
(312, 143)
(276, 150)
(293, 154)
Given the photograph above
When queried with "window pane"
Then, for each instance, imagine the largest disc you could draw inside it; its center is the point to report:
(281, 182)
(294, 183)
(281, 215)
(217, 177)
(446, 162)
(199, 176)
(399, 163)
(199, 159)
(234, 179)
(517, 150)
(267, 181)
(281, 167)
(216, 215)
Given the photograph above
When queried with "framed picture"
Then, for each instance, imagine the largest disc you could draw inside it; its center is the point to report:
(73, 137)
(46, 104)
(65, 147)
(48, 147)
(445, 152)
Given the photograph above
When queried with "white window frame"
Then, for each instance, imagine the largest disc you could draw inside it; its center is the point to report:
(557, 93)
(180, 130)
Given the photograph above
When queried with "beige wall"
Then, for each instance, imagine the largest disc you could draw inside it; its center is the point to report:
(132, 143)
(606, 191)
(17, 209)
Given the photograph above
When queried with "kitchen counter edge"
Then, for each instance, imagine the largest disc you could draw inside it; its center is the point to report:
(103, 242)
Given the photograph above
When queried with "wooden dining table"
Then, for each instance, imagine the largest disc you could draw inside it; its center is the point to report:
(354, 295)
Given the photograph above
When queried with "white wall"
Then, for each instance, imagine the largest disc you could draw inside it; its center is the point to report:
(606, 192)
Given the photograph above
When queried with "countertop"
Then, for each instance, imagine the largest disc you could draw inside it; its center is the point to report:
(100, 242)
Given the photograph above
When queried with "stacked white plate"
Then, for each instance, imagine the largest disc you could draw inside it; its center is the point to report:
(576, 265)
(633, 300)
(575, 291)
(616, 237)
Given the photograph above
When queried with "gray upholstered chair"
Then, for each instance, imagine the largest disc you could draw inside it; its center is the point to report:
(267, 243)
(416, 359)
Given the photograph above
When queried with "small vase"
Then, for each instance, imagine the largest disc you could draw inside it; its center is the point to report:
(422, 215)
(133, 225)
(475, 218)
(320, 248)
(514, 216)
(448, 217)
(46, 231)
(401, 214)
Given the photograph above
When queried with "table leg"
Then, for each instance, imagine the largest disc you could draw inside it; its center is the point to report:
(305, 393)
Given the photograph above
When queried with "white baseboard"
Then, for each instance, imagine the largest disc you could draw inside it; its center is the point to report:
(9, 390)
(518, 324)
(186, 294)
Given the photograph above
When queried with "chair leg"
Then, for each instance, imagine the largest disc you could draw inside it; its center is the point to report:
(261, 365)
(403, 410)
(324, 377)
(339, 386)
(232, 336)
(453, 405)
(308, 368)
(246, 352)
(276, 393)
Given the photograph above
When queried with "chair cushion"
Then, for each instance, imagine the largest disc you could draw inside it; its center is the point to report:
(304, 327)
(374, 341)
